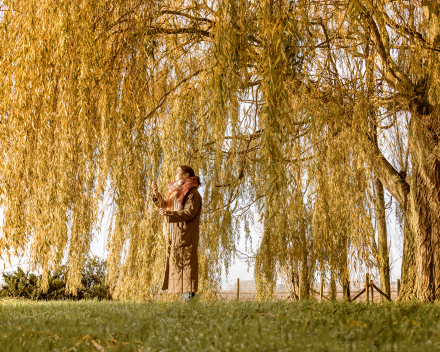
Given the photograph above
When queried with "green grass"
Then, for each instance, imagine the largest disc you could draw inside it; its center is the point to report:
(217, 326)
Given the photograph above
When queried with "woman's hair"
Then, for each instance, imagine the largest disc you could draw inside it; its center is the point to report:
(188, 170)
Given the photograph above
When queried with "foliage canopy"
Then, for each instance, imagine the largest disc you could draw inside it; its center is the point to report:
(282, 107)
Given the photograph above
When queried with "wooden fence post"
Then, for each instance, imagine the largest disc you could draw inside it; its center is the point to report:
(367, 286)
(398, 287)
(372, 291)
(238, 289)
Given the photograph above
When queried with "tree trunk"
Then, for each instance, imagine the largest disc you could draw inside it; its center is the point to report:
(409, 268)
(295, 280)
(342, 266)
(304, 274)
(421, 200)
(346, 288)
(425, 204)
(304, 280)
(421, 203)
(332, 290)
(379, 199)
(424, 140)
(382, 239)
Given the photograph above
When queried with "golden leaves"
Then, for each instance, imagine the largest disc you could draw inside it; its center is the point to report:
(98, 99)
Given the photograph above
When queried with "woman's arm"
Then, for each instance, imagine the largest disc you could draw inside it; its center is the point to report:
(192, 206)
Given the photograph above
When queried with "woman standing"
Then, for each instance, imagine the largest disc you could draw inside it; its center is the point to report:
(181, 210)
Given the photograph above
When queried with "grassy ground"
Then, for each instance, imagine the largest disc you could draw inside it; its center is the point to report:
(217, 326)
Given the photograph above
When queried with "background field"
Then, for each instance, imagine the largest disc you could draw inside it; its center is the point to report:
(217, 326)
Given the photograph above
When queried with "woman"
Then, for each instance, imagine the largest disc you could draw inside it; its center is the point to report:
(181, 210)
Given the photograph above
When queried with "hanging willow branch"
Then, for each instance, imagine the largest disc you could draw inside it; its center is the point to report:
(267, 101)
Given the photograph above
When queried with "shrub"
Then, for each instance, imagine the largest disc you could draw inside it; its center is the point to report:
(93, 280)
(26, 285)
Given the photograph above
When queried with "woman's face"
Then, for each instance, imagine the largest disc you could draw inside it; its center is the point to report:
(180, 175)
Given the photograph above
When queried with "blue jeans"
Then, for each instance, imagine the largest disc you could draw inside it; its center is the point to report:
(187, 296)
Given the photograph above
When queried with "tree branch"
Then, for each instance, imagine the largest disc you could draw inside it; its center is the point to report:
(393, 74)
(186, 30)
(194, 18)
(400, 28)
(388, 175)
(163, 98)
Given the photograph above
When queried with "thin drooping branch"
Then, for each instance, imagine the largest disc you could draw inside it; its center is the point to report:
(173, 89)
(153, 30)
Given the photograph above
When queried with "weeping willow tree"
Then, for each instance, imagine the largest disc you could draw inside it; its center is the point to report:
(100, 98)
(399, 42)
(360, 57)
(88, 114)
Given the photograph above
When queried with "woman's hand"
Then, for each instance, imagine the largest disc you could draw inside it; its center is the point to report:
(164, 212)
(155, 189)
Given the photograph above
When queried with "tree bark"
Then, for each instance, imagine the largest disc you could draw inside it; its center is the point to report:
(383, 261)
(382, 238)
(425, 204)
(332, 290)
(295, 280)
(421, 201)
(342, 266)
(399, 188)
(345, 287)
(304, 274)
(421, 256)
(409, 268)
(346, 290)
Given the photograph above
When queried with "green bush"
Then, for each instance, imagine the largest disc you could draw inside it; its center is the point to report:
(26, 285)
(93, 280)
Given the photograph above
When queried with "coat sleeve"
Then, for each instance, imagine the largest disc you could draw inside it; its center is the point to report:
(159, 201)
(190, 209)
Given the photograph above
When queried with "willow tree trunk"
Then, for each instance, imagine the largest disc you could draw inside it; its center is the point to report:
(342, 266)
(421, 202)
(383, 259)
(332, 287)
(424, 205)
(294, 280)
(409, 268)
(382, 239)
(379, 197)
(304, 279)
(304, 274)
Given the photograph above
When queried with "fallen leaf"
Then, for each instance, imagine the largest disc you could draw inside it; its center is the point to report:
(98, 346)
(71, 348)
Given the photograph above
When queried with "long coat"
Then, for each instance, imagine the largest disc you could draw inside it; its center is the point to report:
(181, 272)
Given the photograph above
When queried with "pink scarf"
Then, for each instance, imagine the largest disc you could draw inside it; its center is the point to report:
(179, 189)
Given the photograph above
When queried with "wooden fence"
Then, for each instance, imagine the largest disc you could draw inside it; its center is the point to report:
(366, 293)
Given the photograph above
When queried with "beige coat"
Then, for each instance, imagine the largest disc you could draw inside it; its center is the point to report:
(181, 272)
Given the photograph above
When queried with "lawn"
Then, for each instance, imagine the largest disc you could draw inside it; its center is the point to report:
(217, 326)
